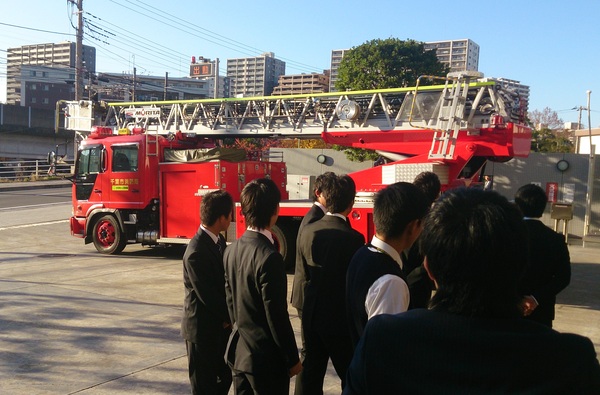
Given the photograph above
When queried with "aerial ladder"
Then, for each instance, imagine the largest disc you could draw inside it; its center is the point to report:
(454, 127)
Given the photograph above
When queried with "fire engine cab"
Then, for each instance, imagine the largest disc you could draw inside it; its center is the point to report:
(142, 170)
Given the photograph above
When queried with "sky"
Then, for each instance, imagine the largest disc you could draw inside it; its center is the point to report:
(552, 46)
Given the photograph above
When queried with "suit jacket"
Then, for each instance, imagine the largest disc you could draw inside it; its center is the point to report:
(301, 271)
(548, 271)
(256, 290)
(434, 352)
(204, 307)
(419, 283)
(327, 246)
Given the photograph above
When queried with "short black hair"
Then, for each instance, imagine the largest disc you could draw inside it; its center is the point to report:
(475, 244)
(429, 183)
(259, 201)
(341, 194)
(214, 205)
(531, 200)
(395, 206)
(323, 184)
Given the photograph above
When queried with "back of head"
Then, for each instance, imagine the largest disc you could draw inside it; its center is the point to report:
(259, 201)
(395, 206)
(341, 194)
(324, 183)
(475, 243)
(429, 183)
(531, 200)
(214, 205)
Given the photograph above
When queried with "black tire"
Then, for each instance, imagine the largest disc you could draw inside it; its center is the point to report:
(286, 242)
(108, 237)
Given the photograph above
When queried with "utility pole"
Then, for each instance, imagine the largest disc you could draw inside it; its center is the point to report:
(79, 53)
(216, 73)
(166, 84)
(134, 83)
(590, 181)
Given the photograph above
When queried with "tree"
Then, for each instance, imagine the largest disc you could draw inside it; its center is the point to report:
(546, 140)
(379, 64)
(547, 118)
(389, 63)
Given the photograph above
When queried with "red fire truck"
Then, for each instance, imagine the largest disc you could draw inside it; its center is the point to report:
(173, 154)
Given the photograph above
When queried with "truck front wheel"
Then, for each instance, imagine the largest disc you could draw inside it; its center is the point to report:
(108, 238)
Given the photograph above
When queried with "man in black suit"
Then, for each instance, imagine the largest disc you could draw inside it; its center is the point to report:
(419, 283)
(473, 339)
(323, 185)
(549, 269)
(205, 324)
(326, 247)
(376, 282)
(266, 355)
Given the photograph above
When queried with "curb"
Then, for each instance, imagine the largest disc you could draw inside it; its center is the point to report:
(28, 185)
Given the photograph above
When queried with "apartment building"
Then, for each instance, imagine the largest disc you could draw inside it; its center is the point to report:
(336, 58)
(458, 55)
(254, 76)
(61, 56)
(297, 84)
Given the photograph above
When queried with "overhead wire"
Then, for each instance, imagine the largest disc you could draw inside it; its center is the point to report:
(209, 36)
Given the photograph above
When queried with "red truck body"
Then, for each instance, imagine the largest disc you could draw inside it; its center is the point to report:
(125, 189)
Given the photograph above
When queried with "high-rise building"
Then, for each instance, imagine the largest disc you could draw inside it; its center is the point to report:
(336, 58)
(297, 84)
(256, 76)
(515, 88)
(458, 55)
(44, 56)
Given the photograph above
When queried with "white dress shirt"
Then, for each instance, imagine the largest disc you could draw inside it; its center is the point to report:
(389, 293)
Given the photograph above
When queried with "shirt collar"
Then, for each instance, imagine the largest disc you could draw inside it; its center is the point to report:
(214, 237)
(336, 215)
(264, 232)
(384, 248)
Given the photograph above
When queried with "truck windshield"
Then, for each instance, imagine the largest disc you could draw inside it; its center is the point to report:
(89, 160)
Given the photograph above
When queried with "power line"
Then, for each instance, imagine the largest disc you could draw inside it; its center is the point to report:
(221, 40)
(37, 30)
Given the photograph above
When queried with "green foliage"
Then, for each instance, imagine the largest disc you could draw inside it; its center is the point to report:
(546, 140)
(357, 154)
(389, 63)
(380, 64)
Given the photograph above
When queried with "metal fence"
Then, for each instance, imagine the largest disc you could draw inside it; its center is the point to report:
(31, 170)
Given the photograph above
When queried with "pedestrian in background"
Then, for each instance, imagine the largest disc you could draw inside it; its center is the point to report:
(549, 265)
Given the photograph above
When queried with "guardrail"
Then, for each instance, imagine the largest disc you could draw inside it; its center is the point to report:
(33, 170)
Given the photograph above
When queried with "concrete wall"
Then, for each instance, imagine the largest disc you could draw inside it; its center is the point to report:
(304, 161)
(541, 168)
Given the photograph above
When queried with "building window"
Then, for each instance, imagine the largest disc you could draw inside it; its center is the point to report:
(46, 88)
(33, 100)
(32, 73)
(45, 100)
(33, 87)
